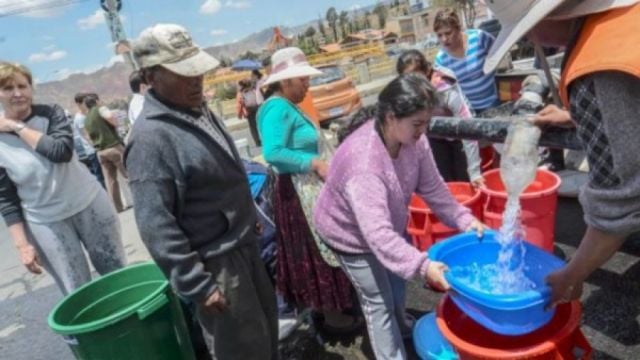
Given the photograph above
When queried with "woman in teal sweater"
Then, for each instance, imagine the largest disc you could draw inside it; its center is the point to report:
(290, 144)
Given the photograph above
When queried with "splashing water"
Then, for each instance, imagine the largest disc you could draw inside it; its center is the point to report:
(518, 170)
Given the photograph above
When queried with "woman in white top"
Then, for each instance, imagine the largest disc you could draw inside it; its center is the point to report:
(52, 205)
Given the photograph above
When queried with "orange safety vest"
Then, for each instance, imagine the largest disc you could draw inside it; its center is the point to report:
(608, 41)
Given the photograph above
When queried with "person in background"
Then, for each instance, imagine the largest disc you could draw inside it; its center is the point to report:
(264, 92)
(361, 212)
(82, 141)
(101, 127)
(456, 160)
(247, 104)
(464, 52)
(600, 87)
(138, 87)
(54, 208)
(257, 79)
(194, 208)
(291, 144)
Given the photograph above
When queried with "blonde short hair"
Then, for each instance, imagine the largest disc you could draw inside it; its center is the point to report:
(447, 17)
(9, 70)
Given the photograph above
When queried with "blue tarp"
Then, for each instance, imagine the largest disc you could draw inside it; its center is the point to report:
(246, 64)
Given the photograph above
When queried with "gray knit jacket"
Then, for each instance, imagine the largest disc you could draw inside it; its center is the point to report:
(192, 198)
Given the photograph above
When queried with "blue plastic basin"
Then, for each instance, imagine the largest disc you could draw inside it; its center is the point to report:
(510, 314)
(429, 342)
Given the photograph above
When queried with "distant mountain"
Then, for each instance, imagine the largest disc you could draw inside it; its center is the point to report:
(255, 42)
(109, 83)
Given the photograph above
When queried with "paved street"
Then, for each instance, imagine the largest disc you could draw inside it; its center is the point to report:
(611, 300)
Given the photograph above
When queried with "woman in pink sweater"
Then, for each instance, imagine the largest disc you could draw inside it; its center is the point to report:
(361, 212)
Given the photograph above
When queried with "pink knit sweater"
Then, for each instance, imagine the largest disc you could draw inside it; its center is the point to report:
(362, 207)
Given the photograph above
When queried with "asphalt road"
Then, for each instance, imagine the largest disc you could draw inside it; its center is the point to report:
(610, 321)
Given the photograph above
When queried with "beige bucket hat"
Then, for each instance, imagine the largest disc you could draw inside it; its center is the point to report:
(171, 47)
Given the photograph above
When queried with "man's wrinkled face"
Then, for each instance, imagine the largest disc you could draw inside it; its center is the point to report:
(183, 91)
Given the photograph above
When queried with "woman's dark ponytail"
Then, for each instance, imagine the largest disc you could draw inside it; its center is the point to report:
(403, 96)
(355, 121)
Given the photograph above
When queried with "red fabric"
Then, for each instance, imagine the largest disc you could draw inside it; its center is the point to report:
(241, 111)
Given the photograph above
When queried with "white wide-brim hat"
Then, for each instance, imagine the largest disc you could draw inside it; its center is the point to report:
(289, 63)
(518, 17)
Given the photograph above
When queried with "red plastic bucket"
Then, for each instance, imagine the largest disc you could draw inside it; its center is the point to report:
(426, 229)
(538, 203)
(560, 339)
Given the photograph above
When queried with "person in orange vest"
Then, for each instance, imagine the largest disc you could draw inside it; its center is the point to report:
(600, 87)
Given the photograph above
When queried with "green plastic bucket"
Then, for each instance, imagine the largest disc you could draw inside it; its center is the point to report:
(127, 314)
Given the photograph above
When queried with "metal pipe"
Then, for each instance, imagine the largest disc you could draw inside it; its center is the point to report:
(495, 130)
(547, 73)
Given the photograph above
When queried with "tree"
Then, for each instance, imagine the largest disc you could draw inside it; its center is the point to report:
(118, 104)
(367, 23)
(396, 3)
(332, 19)
(382, 11)
(344, 23)
(321, 28)
(225, 61)
(310, 32)
(250, 55)
(469, 10)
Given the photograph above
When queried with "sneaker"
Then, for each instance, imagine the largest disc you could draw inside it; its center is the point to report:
(356, 324)
(286, 326)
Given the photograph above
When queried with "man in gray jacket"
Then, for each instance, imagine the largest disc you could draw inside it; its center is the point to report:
(194, 208)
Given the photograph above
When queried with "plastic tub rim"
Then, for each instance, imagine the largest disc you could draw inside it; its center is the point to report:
(111, 319)
(535, 195)
(545, 346)
(477, 194)
(522, 300)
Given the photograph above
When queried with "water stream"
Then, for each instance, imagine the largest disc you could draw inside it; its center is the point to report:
(517, 170)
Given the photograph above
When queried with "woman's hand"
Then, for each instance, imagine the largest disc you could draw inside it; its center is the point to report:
(478, 182)
(30, 259)
(435, 275)
(553, 115)
(476, 226)
(7, 125)
(321, 168)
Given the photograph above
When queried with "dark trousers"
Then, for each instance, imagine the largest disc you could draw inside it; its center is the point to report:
(248, 328)
(93, 164)
(253, 126)
(450, 159)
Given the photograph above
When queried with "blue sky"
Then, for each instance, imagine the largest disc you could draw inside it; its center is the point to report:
(57, 42)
